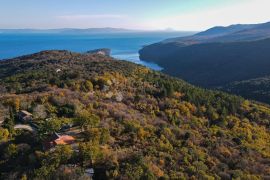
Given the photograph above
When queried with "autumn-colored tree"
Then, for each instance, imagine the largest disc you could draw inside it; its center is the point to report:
(4, 134)
(88, 86)
(17, 103)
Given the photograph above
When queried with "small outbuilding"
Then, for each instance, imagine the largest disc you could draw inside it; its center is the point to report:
(25, 116)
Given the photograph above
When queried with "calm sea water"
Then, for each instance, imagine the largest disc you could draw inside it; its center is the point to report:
(123, 46)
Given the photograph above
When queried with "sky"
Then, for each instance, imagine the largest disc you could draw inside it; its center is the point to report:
(182, 15)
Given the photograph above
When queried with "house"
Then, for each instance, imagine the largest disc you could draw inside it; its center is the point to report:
(25, 116)
(66, 127)
(89, 172)
(57, 139)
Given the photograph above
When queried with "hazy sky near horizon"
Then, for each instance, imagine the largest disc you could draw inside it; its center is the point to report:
(133, 14)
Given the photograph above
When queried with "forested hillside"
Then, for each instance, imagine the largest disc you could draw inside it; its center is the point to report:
(122, 121)
(258, 88)
(217, 64)
(216, 57)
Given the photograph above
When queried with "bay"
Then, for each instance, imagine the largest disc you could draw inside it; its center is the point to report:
(124, 46)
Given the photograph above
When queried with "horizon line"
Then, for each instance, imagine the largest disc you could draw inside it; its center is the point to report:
(112, 28)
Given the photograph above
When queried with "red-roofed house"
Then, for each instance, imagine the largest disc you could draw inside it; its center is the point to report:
(57, 139)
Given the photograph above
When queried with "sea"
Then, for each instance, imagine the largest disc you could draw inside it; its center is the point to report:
(124, 46)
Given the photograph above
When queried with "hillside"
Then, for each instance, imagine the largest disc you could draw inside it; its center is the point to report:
(234, 33)
(221, 31)
(65, 113)
(234, 53)
(258, 88)
(227, 62)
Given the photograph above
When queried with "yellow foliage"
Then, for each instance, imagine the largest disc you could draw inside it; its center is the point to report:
(24, 177)
(246, 105)
(141, 70)
(161, 162)
(155, 169)
(142, 133)
(61, 94)
(4, 133)
(178, 94)
(224, 151)
(184, 110)
(203, 109)
(190, 106)
(17, 103)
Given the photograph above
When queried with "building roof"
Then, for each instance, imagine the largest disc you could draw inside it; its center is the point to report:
(62, 140)
(56, 139)
(26, 113)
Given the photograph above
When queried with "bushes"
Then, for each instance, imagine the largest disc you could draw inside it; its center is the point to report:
(89, 153)
(11, 151)
(87, 86)
(87, 120)
(50, 161)
(48, 127)
(137, 169)
(97, 135)
(4, 134)
(67, 110)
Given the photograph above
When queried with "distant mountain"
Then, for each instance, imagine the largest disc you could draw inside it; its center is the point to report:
(221, 34)
(257, 32)
(161, 50)
(106, 30)
(220, 30)
(69, 30)
(215, 57)
(97, 30)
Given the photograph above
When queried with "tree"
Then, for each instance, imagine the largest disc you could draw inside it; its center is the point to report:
(211, 113)
(48, 127)
(39, 111)
(64, 153)
(169, 88)
(138, 169)
(67, 110)
(87, 86)
(89, 152)
(9, 122)
(50, 161)
(87, 120)
(17, 103)
(11, 151)
(4, 133)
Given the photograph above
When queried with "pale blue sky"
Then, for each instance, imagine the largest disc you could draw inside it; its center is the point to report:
(133, 14)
